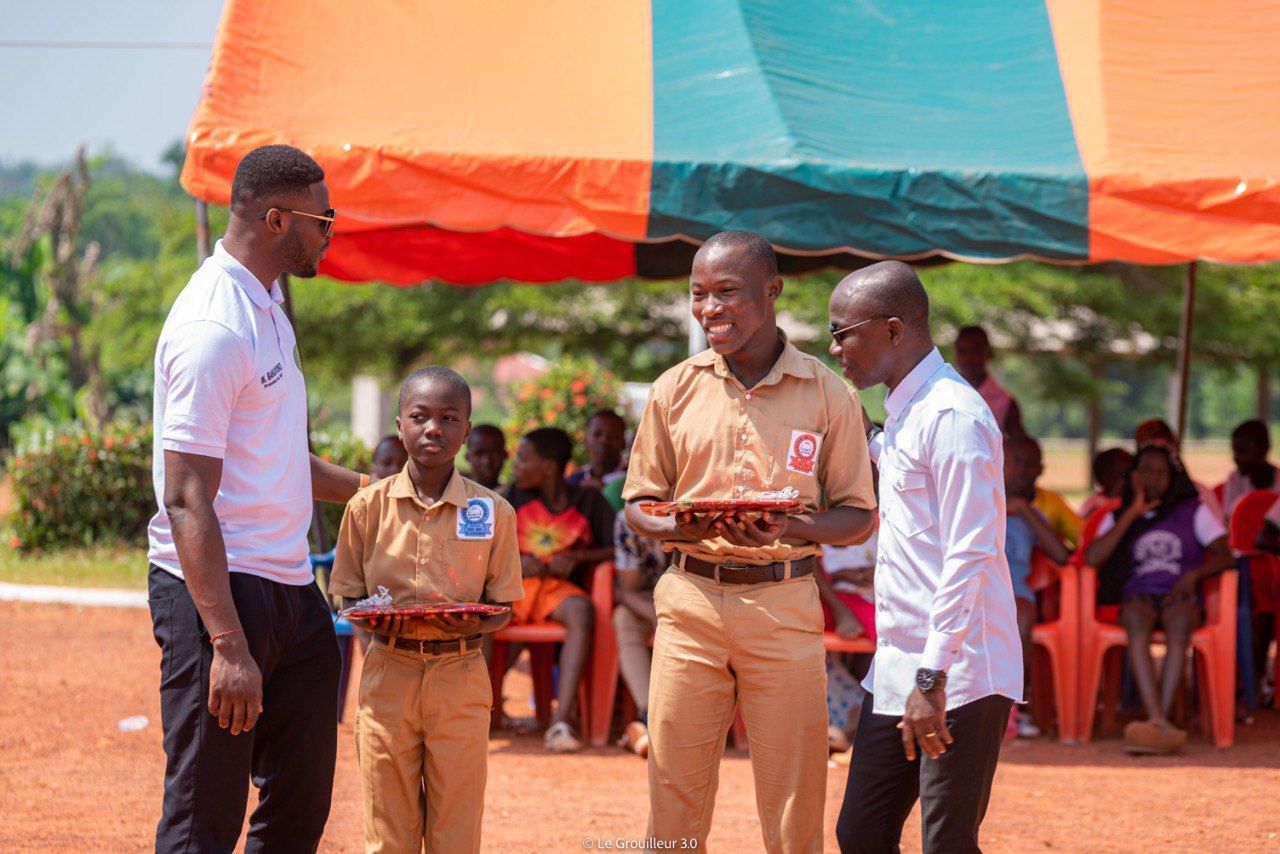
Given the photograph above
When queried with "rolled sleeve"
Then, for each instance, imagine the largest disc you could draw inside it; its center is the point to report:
(205, 366)
(651, 472)
(846, 466)
(503, 581)
(347, 579)
(968, 474)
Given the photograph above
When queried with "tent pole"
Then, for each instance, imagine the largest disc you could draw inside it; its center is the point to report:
(1095, 420)
(1185, 334)
(697, 338)
(204, 247)
(1264, 391)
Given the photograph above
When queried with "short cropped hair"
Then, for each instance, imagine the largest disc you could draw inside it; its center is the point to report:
(271, 171)
(439, 374)
(551, 443)
(759, 250)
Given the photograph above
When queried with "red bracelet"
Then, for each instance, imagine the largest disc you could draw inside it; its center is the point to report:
(224, 634)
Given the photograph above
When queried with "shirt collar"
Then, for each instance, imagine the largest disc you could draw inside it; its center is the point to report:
(790, 362)
(455, 492)
(245, 279)
(912, 383)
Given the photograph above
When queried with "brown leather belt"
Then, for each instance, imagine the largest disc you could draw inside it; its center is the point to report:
(729, 572)
(428, 647)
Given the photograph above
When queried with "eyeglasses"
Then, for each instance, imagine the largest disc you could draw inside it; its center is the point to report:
(330, 217)
(838, 334)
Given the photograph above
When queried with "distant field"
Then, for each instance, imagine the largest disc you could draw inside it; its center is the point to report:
(1066, 464)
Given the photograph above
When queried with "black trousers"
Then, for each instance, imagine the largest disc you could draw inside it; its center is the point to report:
(290, 752)
(953, 789)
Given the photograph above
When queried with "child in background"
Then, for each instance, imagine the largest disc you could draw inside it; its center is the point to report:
(1055, 508)
(564, 532)
(422, 731)
(605, 440)
(848, 609)
(1250, 445)
(389, 456)
(1026, 529)
(1152, 554)
(486, 455)
(1109, 470)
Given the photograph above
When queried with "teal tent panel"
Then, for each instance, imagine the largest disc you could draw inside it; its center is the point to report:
(891, 129)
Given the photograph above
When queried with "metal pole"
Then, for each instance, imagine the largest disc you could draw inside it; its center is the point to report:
(204, 246)
(1184, 346)
(697, 338)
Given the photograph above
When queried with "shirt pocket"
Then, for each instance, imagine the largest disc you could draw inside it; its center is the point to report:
(466, 566)
(907, 505)
(797, 459)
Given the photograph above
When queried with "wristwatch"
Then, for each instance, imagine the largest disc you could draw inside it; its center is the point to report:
(872, 433)
(927, 680)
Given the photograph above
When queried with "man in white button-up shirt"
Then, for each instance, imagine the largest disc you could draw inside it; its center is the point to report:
(948, 666)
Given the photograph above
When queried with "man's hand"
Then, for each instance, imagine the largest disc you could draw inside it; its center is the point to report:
(562, 565)
(925, 722)
(847, 625)
(235, 685)
(696, 527)
(753, 534)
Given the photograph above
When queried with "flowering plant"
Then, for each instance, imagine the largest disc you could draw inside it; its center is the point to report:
(565, 396)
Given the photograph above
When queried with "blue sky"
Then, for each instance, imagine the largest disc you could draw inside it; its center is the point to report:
(136, 100)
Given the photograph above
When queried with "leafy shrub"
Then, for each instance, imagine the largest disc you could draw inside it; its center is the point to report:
(565, 396)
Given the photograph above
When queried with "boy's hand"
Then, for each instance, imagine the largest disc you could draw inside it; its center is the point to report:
(454, 624)
(847, 625)
(389, 625)
(696, 527)
(752, 534)
(562, 565)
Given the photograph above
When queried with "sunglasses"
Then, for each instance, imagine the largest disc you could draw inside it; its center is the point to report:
(839, 334)
(330, 217)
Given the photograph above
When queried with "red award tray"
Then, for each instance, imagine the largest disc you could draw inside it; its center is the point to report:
(421, 609)
(745, 505)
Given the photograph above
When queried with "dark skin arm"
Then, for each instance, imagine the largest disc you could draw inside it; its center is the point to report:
(630, 593)
(564, 564)
(331, 482)
(839, 526)
(1047, 539)
(846, 624)
(1217, 558)
(1269, 538)
(925, 723)
(235, 682)
(1100, 550)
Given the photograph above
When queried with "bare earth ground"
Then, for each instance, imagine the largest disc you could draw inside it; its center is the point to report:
(69, 780)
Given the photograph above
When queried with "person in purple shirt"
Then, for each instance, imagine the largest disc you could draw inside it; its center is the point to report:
(1153, 551)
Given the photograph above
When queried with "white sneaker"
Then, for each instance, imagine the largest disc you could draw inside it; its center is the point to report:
(560, 739)
(1027, 727)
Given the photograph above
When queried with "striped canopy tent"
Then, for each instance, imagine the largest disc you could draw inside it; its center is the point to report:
(469, 142)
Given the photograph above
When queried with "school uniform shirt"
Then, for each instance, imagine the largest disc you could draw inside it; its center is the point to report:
(461, 548)
(944, 599)
(228, 385)
(704, 436)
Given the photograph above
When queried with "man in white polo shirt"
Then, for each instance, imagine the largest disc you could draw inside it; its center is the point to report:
(250, 665)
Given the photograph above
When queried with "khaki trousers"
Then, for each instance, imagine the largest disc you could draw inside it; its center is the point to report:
(422, 739)
(761, 646)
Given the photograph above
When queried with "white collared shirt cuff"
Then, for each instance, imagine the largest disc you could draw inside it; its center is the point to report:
(941, 650)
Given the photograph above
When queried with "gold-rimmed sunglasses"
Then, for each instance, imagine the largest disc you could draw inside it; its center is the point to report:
(838, 334)
(330, 217)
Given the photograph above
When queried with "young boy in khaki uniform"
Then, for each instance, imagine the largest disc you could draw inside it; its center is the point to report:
(427, 534)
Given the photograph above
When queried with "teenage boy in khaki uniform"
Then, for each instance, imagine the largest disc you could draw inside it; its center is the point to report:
(739, 617)
(427, 534)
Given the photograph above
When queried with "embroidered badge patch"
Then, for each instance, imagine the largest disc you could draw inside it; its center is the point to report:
(803, 455)
(475, 521)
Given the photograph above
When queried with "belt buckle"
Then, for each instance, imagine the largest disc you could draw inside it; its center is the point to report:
(728, 564)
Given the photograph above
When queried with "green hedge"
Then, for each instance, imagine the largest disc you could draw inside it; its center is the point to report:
(73, 486)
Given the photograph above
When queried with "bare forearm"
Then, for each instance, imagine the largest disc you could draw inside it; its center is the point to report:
(202, 554)
(840, 526)
(331, 482)
(497, 622)
(1047, 538)
(652, 527)
(1101, 549)
(827, 593)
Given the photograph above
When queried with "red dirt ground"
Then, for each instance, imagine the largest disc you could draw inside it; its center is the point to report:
(69, 780)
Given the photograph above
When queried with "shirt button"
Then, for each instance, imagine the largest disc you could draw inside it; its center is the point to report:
(740, 488)
(744, 437)
(748, 396)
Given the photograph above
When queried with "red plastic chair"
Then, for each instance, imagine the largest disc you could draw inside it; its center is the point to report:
(1264, 569)
(541, 638)
(1213, 646)
(1058, 641)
